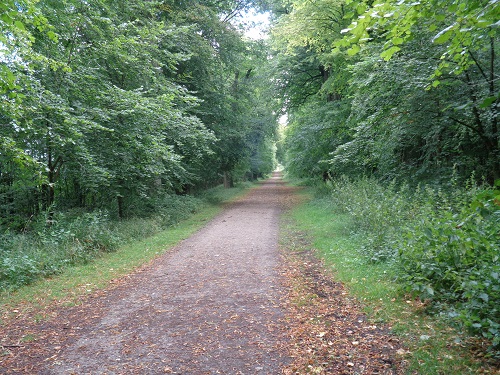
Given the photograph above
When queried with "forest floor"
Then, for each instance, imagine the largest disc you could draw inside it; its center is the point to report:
(228, 300)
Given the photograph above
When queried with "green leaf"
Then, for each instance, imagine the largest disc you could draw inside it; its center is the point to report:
(349, 15)
(361, 8)
(387, 54)
(353, 50)
(429, 290)
(19, 25)
(397, 41)
(488, 101)
(5, 18)
(52, 35)
(443, 36)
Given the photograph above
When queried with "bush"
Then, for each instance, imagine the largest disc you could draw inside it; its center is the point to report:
(17, 268)
(48, 249)
(378, 213)
(444, 244)
(174, 208)
(52, 242)
(453, 256)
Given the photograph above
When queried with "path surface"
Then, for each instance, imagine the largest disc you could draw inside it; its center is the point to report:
(225, 301)
(209, 306)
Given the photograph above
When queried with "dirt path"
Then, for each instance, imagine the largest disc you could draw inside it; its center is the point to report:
(222, 302)
(210, 306)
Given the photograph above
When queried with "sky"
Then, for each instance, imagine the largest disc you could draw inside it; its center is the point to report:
(256, 24)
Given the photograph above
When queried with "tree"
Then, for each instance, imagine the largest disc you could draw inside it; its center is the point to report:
(111, 126)
(421, 79)
(469, 36)
(312, 79)
(115, 104)
(219, 73)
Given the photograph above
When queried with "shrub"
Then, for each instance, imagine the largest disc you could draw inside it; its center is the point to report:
(378, 212)
(48, 249)
(445, 244)
(453, 256)
(52, 242)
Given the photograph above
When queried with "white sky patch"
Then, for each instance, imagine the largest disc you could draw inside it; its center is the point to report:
(283, 120)
(254, 24)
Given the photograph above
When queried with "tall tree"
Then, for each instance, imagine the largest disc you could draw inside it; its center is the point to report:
(114, 103)
(468, 33)
(419, 78)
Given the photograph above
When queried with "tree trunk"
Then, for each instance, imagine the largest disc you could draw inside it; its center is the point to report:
(52, 174)
(494, 114)
(325, 75)
(228, 180)
(119, 201)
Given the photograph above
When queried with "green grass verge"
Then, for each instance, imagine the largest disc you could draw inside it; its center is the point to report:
(69, 287)
(433, 346)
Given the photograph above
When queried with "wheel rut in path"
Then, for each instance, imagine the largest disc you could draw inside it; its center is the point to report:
(209, 306)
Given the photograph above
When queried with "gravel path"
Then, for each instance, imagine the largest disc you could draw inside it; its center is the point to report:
(224, 301)
(209, 306)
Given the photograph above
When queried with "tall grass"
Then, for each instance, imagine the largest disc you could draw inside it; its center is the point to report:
(46, 250)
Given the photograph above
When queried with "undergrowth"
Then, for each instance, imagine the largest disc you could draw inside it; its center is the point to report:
(433, 345)
(48, 247)
(444, 245)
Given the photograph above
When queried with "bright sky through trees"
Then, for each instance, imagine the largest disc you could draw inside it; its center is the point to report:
(256, 24)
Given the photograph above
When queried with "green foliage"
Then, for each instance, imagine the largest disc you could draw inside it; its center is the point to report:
(219, 194)
(170, 209)
(378, 213)
(16, 20)
(433, 347)
(49, 249)
(125, 104)
(445, 244)
(462, 25)
(401, 122)
(453, 256)
(408, 94)
(53, 242)
(310, 136)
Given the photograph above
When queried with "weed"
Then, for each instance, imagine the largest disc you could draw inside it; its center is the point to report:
(28, 338)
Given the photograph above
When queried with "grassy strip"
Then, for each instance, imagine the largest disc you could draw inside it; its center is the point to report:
(433, 347)
(77, 281)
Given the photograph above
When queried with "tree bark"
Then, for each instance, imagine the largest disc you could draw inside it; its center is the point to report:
(325, 74)
(228, 180)
(119, 201)
(494, 114)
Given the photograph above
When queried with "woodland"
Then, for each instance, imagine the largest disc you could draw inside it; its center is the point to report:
(127, 112)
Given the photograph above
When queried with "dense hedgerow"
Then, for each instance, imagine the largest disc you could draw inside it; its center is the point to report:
(445, 245)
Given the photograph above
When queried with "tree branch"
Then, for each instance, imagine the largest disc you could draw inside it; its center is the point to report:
(474, 129)
(233, 13)
(478, 65)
